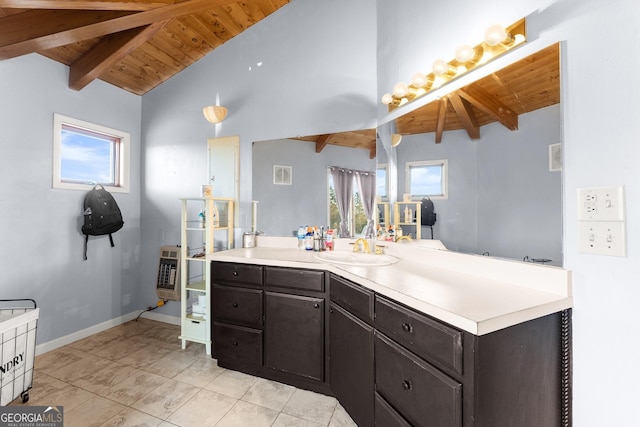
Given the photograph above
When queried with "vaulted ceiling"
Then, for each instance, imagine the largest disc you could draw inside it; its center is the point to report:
(132, 44)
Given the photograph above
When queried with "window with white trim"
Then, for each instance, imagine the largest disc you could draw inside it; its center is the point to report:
(85, 154)
(427, 179)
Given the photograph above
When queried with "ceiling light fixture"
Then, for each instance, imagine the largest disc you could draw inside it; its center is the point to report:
(214, 113)
(497, 41)
(396, 138)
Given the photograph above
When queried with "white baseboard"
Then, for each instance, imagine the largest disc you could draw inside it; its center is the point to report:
(78, 335)
(165, 318)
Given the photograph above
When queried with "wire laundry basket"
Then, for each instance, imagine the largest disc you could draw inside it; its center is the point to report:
(18, 324)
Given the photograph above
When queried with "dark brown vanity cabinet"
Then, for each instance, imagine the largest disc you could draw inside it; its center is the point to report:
(388, 364)
(351, 349)
(294, 332)
(270, 321)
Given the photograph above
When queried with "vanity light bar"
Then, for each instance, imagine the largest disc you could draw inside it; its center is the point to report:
(497, 41)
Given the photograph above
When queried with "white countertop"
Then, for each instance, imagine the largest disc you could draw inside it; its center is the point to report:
(475, 293)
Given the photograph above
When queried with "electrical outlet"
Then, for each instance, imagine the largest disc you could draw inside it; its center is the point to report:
(601, 204)
(602, 238)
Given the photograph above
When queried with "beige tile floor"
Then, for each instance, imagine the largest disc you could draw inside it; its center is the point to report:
(137, 374)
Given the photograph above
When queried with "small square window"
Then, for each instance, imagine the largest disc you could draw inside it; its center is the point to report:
(86, 154)
(427, 179)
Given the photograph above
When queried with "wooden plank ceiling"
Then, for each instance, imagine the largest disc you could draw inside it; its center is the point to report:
(132, 44)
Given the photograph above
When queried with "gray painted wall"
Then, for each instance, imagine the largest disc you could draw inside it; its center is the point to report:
(42, 249)
(283, 208)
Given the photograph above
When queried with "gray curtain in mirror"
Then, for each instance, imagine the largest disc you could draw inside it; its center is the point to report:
(343, 184)
(367, 186)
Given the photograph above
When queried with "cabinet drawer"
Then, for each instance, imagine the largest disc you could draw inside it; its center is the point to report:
(420, 334)
(354, 298)
(417, 390)
(228, 273)
(386, 416)
(195, 329)
(237, 343)
(294, 278)
(237, 305)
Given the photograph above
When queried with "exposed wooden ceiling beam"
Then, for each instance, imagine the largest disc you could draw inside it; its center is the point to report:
(107, 52)
(372, 151)
(84, 4)
(441, 119)
(486, 102)
(322, 142)
(465, 114)
(38, 30)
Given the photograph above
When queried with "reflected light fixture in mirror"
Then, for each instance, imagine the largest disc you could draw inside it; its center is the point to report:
(497, 41)
(214, 113)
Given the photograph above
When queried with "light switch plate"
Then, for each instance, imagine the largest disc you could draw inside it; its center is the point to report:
(602, 238)
(601, 204)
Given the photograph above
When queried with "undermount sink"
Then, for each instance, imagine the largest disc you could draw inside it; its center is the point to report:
(355, 258)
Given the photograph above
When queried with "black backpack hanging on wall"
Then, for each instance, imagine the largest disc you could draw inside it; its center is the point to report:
(101, 215)
(428, 214)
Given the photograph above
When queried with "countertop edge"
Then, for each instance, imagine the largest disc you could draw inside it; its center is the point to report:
(553, 302)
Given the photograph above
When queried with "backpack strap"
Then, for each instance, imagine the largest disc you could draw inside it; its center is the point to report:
(111, 240)
(86, 240)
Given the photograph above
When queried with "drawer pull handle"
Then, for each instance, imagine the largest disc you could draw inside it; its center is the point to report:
(406, 384)
(235, 305)
(235, 273)
(407, 327)
(316, 305)
(235, 343)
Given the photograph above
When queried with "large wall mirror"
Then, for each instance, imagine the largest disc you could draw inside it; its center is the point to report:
(501, 138)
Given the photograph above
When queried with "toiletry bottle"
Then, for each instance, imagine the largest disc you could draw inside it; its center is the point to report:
(302, 231)
(329, 240)
(308, 239)
(201, 218)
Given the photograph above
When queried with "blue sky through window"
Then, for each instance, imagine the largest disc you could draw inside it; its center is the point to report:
(381, 182)
(86, 158)
(426, 180)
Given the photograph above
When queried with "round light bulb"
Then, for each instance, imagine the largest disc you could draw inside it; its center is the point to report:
(495, 35)
(439, 67)
(464, 53)
(387, 99)
(418, 80)
(400, 90)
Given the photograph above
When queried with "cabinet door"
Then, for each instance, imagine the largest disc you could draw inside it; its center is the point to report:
(351, 362)
(294, 334)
